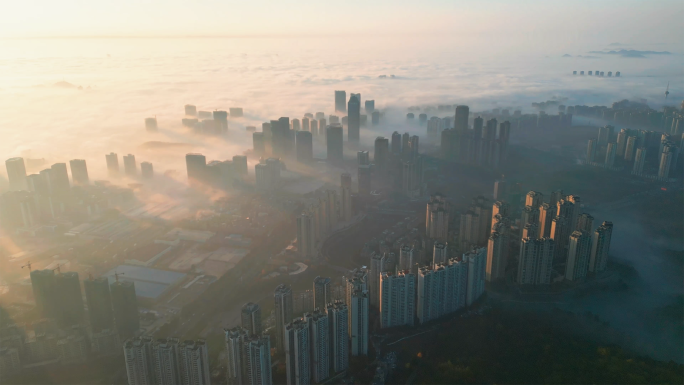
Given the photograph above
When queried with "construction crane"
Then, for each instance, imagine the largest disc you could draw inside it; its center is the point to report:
(116, 276)
(667, 90)
(59, 271)
(28, 264)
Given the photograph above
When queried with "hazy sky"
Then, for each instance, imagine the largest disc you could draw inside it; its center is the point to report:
(606, 21)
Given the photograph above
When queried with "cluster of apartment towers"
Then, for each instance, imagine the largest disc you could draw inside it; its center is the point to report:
(554, 235)
(319, 344)
(636, 148)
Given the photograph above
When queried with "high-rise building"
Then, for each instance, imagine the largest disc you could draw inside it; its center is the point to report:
(306, 238)
(369, 106)
(374, 279)
(359, 307)
(240, 165)
(345, 194)
(190, 110)
(437, 217)
(99, 300)
(579, 252)
(477, 266)
(166, 356)
(630, 148)
(334, 139)
(430, 292)
(591, 150)
(16, 173)
(125, 306)
(354, 119)
(79, 171)
(605, 134)
(130, 167)
(340, 101)
(140, 363)
(297, 352)
(147, 170)
(304, 146)
(112, 164)
(364, 178)
(283, 313)
(196, 165)
(461, 119)
(44, 292)
(251, 318)
(363, 158)
(440, 253)
(319, 340)
(600, 246)
(585, 222)
(248, 358)
(455, 285)
(322, 292)
(405, 148)
(69, 299)
(396, 143)
(267, 174)
(60, 179)
(546, 214)
(397, 299)
(259, 143)
(535, 261)
(500, 191)
(667, 158)
(497, 256)
(381, 153)
(194, 358)
(407, 257)
(411, 177)
(258, 354)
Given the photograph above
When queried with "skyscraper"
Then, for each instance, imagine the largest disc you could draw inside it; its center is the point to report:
(322, 292)
(140, 363)
(440, 253)
(60, 179)
(196, 165)
(374, 279)
(297, 352)
(194, 357)
(99, 302)
(125, 306)
(147, 170)
(354, 116)
(251, 318)
(407, 257)
(69, 299)
(437, 217)
(306, 238)
(585, 223)
(334, 137)
(397, 299)
(369, 106)
(44, 292)
(166, 356)
(304, 146)
(600, 247)
(396, 143)
(259, 143)
(591, 150)
(381, 154)
(461, 119)
(79, 171)
(345, 194)
(497, 256)
(477, 263)
(130, 166)
(430, 292)
(283, 313)
(16, 173)
(112, 164)
(630, 148)
(579, 253)
(340, 101)
(359, 307)
(535, 261)
(240, 165)
(319, 340)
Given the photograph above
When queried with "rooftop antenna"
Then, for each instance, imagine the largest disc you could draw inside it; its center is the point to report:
(667, 90)
(28, 264)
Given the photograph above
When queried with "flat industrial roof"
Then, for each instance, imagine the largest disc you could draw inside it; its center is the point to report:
(149, 283)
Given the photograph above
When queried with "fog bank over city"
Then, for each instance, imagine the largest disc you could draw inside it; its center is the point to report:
(83, 98)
